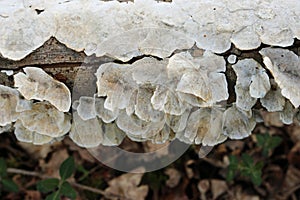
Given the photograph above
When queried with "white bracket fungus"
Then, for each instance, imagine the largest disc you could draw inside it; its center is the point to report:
(204, 126)
(7, 72)
(284, 66)
(45, 119)
(25, 135)
(273, 101)
(202, 77)
(287, 114)
(232, 59)
(252, 83)
(9, 100)
(93, 132)
(238, 124)
(37, 84)
(4, 129)
(161, 98)
(178, 96)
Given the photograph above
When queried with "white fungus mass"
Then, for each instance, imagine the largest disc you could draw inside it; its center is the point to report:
(156, 88)
(37, 84)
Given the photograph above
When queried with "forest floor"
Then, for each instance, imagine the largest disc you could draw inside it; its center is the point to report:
(265, 165)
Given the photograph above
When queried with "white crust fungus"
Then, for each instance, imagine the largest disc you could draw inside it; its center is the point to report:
(19, 27)
(37, 84)
(284, 66)
(126, 30)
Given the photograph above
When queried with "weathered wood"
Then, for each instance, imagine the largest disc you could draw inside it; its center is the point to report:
(67, 65)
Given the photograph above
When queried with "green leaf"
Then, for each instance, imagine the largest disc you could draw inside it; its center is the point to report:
(67, 168)
(9, 185)
(233, 162)
(53, 196)
(267, 142)
(230, 175)
(47, 185)
(84, 172)
(261, 138)
(3, 168)
(247, 160)
(232, 168)
(67, 190)
(251, 170)
(274, 142)
(256, 177)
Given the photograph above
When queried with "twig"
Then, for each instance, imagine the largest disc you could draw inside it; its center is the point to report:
(73, 183)
(91, 189)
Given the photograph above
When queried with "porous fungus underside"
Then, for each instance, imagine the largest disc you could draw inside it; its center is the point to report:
(167, 72)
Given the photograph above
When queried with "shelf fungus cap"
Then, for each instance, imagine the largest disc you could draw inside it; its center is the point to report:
(86, 133)
(288, 113)
(9, 99)
(238, 124)
(5, 128)
(24, 135)
(115, 82)
(92, 107)
(273, 101)
(45, 119)
(204, 127)
(37, 84)
(260, 84)
(112, 135)
(202, 77)
(138, 128)
(284, 66)
(93, 132)
(252, 83)
(86, 108)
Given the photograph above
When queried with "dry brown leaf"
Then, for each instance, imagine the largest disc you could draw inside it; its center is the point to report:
(291, 180)
(188, 170)
(274, 175)
(239, 194)
(83, 152)
(294, 155)
(203, 187)
(32, 195)
(271, 119)
(37, 151)
(294, 132)
(218, 187)
(174, 177)
(158, 148)
(126, 187)
(51, 168)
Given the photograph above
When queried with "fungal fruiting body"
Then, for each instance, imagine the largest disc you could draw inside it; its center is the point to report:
(167, 76)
